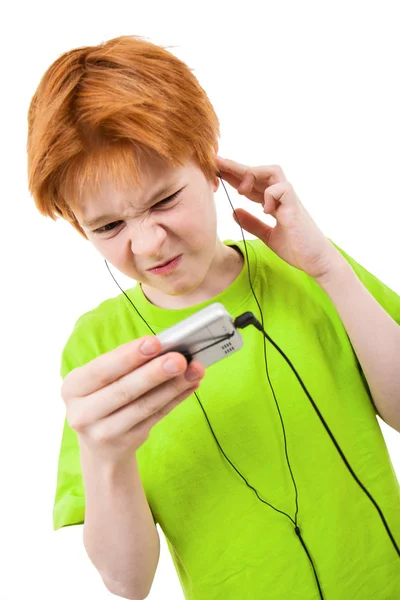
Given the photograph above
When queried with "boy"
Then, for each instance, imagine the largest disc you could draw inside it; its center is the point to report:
(123, 144)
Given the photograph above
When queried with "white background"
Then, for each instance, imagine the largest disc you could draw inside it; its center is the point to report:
(311, 86)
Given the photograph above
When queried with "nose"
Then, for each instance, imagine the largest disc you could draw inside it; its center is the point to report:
(146, 239)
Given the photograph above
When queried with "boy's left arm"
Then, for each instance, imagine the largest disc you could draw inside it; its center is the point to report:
(374, 335)
(298, 241)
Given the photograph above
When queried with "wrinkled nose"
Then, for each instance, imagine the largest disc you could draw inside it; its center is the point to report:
(147, 240)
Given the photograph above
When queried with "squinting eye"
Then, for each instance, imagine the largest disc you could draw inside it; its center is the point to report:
(111, 226)
(169, 198)
(104, 229)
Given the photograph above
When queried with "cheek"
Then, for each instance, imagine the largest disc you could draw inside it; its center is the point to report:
(199, 228)
(200, 215)
(122, 249)
(205, 216)
(116, 250)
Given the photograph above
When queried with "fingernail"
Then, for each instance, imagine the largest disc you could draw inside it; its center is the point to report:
(148, 347)
(192, 375)
(171, 367)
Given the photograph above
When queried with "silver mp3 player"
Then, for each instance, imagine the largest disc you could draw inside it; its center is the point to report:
(207, 336)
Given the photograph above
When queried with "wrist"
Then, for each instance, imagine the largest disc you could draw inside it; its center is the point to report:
(337, 271)
(93, 459)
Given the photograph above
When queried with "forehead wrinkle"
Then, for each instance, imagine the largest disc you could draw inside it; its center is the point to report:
(90, 221)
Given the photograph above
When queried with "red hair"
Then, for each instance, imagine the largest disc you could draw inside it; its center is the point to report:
(98, 109)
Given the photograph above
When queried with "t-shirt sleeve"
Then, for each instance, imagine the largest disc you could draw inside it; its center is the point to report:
(69, 502)
(387, 298)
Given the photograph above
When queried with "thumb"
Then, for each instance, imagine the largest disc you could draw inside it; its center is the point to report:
(253, 225)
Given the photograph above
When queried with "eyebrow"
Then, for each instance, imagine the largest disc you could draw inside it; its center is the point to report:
(109, 216)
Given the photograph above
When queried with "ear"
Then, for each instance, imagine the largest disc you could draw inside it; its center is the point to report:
(215, 184)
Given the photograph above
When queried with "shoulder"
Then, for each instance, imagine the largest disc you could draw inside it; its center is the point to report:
(97, 331)
(100, 314)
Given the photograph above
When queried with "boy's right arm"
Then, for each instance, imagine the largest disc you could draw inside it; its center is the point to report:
(119, 534)
(112, 403)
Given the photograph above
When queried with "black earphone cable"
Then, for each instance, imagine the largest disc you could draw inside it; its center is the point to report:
(243, 321)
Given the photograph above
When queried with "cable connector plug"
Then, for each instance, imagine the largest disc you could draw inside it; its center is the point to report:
(246, 319)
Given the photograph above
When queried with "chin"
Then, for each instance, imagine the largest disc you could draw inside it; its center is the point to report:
(184, 285)
(182, 288)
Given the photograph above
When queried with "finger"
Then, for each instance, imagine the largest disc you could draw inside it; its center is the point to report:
(280, 193)
(150, 406)
(107, 368)
(142, 429)
(231, 167)
(128, 389)
(170, 406)
(230, 174)
(253, 225)
(247, 184)
(231, 179)
(264, 175)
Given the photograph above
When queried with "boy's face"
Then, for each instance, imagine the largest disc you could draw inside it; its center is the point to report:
(141, 233)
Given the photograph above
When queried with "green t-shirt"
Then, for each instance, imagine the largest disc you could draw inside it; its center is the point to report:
(225, 543)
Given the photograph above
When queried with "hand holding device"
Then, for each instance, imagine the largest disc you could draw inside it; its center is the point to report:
(114, 400)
